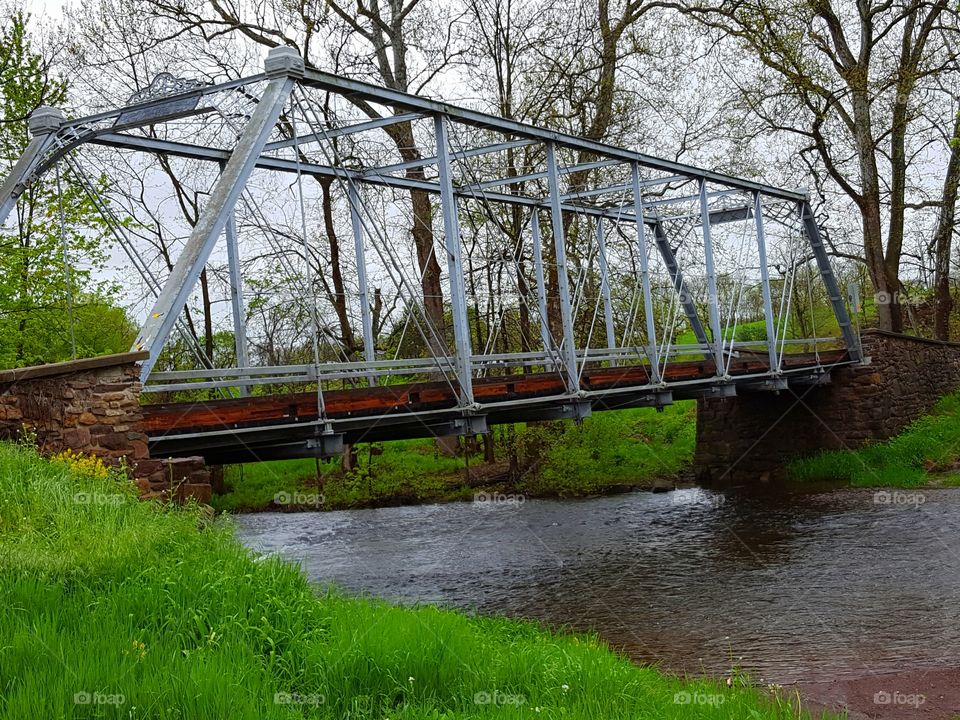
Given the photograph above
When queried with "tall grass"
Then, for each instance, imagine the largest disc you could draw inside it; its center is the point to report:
(930, 443)
(120, 609)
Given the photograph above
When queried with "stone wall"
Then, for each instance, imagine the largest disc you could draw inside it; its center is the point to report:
(751, 437)
(93, 406)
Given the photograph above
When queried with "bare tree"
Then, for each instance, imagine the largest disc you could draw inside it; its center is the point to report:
(847, 78)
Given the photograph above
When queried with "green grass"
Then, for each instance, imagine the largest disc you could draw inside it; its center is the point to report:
(404, 468)
(929, 445)
(608, 450)
(612, 449)
(157, 613)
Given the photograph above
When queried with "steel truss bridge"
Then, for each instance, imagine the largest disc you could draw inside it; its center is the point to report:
(666, 281)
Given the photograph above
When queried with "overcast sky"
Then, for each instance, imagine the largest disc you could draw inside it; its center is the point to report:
(45, 8)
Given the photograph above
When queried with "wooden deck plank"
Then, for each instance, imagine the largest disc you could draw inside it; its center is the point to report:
(214, 415)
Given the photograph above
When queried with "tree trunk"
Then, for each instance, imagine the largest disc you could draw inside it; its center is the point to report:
(422, 232)
(942, 240)
(207, 317)
(340, 294)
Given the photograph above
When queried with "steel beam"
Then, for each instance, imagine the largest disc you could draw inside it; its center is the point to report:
(568, 346)
(812, 232)
(366, 319)
(414, 103)
(517, 130)
(198, 92)
(200, 152)
(622, 187)
(541, 285)
(330, 134)
(651, 348)
(765, 285)
(680, 285)
(458, 295)
(459, 155)
(691, 198)
(566, 170)
(282, 65)
(605, 287)
(43, 124)
(236, 299)
(713, 299)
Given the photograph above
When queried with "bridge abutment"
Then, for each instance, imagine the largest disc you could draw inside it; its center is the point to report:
(751, 437)
(93, 407)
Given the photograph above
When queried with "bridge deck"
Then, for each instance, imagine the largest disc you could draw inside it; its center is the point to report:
(407, 410)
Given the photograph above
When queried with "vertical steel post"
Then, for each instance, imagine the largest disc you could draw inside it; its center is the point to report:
(568, 348)
(369, 351)
(283, 64)
(713, 300)
(541, 285)
(653, 353)
(765, 284)
(605, 288)
(236, 299)
(458, 294)
(830, 281)
(680, 285)
(43, 124)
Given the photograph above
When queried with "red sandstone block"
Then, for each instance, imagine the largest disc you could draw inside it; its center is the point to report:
(113, 441)
(201, 492)
(106, 387)
(113, 396)
(138, 448)
(77, 438)
(148, 466)
(10, 413)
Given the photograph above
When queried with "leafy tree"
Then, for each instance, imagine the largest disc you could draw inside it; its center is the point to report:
(56, 242)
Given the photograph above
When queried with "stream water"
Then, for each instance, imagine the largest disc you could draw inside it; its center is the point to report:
(791, 586)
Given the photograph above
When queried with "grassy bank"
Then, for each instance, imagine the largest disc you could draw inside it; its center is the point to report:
(607, 451)
(927, 451)
(121, 609)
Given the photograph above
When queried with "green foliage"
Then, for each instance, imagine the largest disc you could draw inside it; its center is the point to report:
(150, 612)
(35, 282)
(412, 470)
(930, 443)
(607, 451)
(99, 327)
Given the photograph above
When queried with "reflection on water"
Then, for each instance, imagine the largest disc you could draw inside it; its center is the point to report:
(788, 586)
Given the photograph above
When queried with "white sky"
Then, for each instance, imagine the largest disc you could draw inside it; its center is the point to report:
(42, 8)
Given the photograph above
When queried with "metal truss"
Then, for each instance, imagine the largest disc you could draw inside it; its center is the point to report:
(662, 247)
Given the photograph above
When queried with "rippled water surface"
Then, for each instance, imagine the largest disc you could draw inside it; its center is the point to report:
(789, 586)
